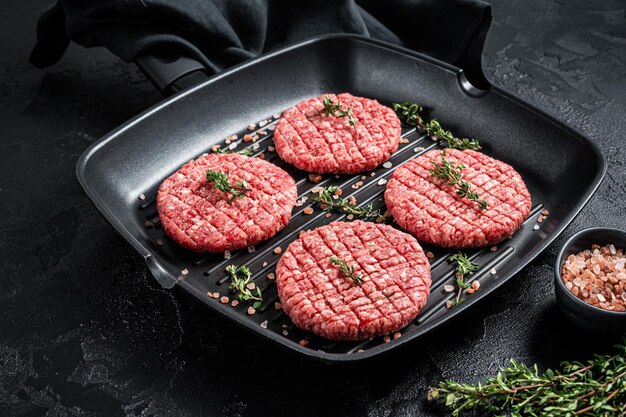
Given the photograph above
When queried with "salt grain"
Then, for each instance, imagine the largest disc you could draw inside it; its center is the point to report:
(536, 227)
(251, 249)
(142, 196)
(264, 324)
(226, 254)
(382, 181)
(493, 271)
(387, 165)
(448, 288)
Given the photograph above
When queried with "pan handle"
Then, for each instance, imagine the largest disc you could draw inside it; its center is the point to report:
(171, 72)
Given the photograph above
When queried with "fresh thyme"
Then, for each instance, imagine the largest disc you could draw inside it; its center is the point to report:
(344, 205)
(244, 151)
(332, 109)
(452, 174)
(347, 270)
(463, 267)
(241, 283)
(410, 113)
(597, 388)
(220, 181)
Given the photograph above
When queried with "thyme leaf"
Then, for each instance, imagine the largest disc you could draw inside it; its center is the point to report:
(221, 181)
(332, 109)
(244, 151)
(463, 267)
(452, 174)
(410, 113)
(347, 270)
(596, 388)
(241, 283)
(344, 205)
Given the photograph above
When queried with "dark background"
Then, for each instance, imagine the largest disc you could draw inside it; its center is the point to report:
(85, 330)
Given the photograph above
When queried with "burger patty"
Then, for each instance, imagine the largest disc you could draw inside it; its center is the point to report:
(430, 208)
(201, 218)
(314, 142)
(319, 298)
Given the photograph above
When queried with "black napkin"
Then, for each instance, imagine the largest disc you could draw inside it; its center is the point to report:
(222, 33)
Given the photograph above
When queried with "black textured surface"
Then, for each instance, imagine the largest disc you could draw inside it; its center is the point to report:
(86, 331)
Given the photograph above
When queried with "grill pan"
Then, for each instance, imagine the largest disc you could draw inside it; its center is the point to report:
(561, 168)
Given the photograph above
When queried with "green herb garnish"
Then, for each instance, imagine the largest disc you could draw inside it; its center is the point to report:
(244, 151)
(409, 113)
(463, 267)
(347, 270)
(241, 283)
(344, 205)
(220, 181)
(452, 174)
(597, 388)
(332, 109)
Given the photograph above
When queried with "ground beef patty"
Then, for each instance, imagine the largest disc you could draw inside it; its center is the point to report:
(319, 298)
(201, 218)
(314, 142)
(431, 210)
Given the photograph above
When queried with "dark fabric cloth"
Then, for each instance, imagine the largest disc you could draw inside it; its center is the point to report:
(222, 33)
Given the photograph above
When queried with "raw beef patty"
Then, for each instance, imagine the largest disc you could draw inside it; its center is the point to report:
(201, 218)
(430, 209)
(319, 298)
(314, 142)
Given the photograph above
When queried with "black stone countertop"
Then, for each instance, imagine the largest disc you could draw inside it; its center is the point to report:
(85, 330)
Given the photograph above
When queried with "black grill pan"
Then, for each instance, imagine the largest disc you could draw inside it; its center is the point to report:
(561, 168)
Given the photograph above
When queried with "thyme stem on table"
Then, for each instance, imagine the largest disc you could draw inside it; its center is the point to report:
(241, 283)
(221, 182)
(410, 113)
(452, 174)
(597, 388)
(344, 205)
(347, 270)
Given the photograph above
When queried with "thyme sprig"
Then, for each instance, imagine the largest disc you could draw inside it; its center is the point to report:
(344, 205)
(452, 174)
(347, 270)
(410, 113)
(332, 109)
(597, 388)
(221, 181)
(241, 283)
(463, 267)
(244, 151)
